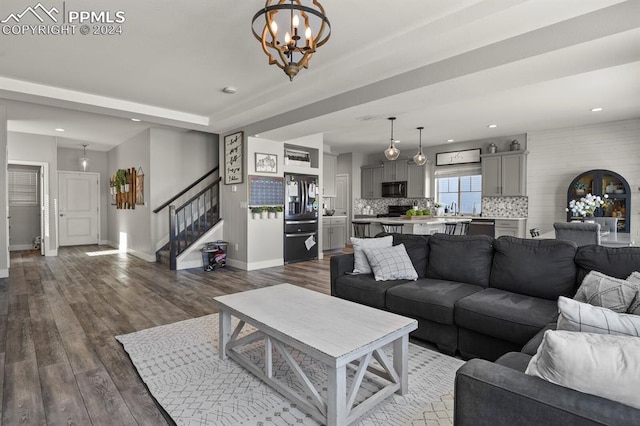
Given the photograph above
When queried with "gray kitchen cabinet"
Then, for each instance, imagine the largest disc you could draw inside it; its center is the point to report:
(329, 170)
(504, 174)
(394, 171)
(371, 182)
(512, 228)
(417, 177)
(334, 232)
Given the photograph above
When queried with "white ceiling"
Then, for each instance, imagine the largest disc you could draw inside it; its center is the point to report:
(452, 66)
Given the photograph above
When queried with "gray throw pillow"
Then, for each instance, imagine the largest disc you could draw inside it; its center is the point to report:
(577, 316)
(598, 289)
(360, 263)
(392, 263)
(635, 305)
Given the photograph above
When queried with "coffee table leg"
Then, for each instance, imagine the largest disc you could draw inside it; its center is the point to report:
(336, 395)
(224, 332)
(401, 362)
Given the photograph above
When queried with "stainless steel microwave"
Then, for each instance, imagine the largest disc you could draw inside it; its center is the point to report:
(394, 189)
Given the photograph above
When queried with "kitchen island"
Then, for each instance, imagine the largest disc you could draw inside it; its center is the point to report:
(514, 226)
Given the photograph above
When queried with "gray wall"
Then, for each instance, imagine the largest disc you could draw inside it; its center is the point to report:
(69, 160)
(4, 231)
(24, 224)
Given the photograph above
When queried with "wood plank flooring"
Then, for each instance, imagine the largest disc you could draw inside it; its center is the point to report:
(59, 317)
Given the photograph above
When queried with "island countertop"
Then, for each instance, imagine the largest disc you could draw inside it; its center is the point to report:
(433, 220)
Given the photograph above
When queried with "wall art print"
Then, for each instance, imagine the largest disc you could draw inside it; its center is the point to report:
(233, 172)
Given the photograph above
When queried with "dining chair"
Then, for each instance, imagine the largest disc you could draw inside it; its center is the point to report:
(361, 229)
(450, 228)
(581, 233)
(392, 228)
(607, 223)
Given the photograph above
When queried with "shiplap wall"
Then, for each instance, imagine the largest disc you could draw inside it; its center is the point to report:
(558, 156)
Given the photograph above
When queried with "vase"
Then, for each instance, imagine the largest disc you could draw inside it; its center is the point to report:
(272, 215)
(264, 215)
(256, 215)
(279, 215)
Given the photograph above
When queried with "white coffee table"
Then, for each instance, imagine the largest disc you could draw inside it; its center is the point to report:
(335, 332)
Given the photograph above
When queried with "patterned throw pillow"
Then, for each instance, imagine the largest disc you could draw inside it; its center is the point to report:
(635, 305)
(360, 263)
(599, 289)
(392, 263)
(590, 363)
(577, 316)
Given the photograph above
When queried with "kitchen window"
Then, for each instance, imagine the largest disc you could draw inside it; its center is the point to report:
(460, 185)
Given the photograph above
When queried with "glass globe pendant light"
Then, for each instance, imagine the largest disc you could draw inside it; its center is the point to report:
(392, 152)
(84, 161)
(420, 159)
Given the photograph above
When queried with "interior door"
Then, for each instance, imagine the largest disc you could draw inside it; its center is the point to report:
(342, 195)
(78, 213)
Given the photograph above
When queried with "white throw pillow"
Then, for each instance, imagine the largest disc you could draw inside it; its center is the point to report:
(360, 263)
(598, 289)
(391, 263)
(577, 316)
(635, 304)
(597, 364)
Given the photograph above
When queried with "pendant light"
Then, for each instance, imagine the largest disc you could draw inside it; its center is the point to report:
(392, 152)
(420, 158)
(84, 161)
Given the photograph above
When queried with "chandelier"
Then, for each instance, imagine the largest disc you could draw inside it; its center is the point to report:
(420, 158)
(392, 152)
(288, 52)
(84, 161)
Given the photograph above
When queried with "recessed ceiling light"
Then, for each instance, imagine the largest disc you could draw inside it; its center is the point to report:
(135, 119)
(257, 136)
(229, 90)
(492, 126)
(597, 109)
(450, 140)
(59, 129)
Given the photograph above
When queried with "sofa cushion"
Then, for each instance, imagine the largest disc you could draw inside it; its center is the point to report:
(505, 315)
(360, 263)
(417, 248)
(597, 364)
(363, 288)
(598, 289)
(516, 360)
(618, 262)
(391, 263)
(635, 304)
(578, 316)
(538, 268)
(428, 298)
(461, 258)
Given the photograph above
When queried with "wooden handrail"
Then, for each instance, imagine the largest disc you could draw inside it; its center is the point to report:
(184, 191)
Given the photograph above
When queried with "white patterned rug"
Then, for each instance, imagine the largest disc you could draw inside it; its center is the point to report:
(179, 363)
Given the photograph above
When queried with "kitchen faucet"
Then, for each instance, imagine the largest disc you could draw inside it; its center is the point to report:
(454, 207)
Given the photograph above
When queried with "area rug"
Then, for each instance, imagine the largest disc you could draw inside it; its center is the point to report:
(179, 363)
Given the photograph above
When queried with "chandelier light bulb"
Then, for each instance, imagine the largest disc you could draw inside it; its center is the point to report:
(274, 27)
(420, 159)
(392, 152)
(287, 38)
(295, 21)
(307, 33)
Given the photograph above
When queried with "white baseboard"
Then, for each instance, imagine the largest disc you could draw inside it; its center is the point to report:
(105, 243)
(238, 264)
(17, 247)
(4, 273)
(141, 255)
(189, 264)
(51, 253)
(264, 264)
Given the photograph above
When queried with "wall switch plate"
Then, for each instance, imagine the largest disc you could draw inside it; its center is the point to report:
(236, 246)
(234, 188)
(244, 205)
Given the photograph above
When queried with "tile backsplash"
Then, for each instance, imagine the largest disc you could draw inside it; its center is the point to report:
(381, 205)
(505, 206)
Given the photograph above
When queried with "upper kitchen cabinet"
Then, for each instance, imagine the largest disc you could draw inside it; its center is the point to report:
(371, 182)
(604, 182)
(504, 173)
(394, 171)
(329, 170)
(417, 181)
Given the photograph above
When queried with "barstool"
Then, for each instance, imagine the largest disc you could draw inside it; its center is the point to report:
(535, 232)
(450, 228)
(361, 229)
(392, 228)
(464, 228)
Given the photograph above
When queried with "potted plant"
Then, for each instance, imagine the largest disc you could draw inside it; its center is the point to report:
(255, 212)
(580, 187)
(279, 212)
(439, 210)
(264, 212)
(121, 180)
(272, 212)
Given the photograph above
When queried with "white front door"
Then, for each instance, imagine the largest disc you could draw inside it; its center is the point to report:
(78, 212)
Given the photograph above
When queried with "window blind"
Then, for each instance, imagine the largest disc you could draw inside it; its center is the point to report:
(455, 171)
(23, 188)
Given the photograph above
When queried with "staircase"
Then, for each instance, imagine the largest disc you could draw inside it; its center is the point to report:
(191, 221)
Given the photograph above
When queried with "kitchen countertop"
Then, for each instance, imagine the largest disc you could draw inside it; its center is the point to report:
(430, 221)
(335, 215)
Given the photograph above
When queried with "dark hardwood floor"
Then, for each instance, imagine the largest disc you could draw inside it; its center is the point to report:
(59, 317)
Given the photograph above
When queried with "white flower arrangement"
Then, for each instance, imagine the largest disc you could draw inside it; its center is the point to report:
(586, 205)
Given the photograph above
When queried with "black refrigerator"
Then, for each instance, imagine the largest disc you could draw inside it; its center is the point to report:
(300, 217)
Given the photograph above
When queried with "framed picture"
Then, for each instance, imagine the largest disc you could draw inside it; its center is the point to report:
(266, 163)
(458, 157)
(233, 173)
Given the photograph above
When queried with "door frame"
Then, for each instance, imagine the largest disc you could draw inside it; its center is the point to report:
(99, 219)
(348, 202)
(45, 231)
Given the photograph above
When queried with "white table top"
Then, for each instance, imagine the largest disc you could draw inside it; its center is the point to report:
(612, 239)
(330, 325)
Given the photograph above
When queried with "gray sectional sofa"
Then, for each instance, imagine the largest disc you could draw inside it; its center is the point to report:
(492, 300)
